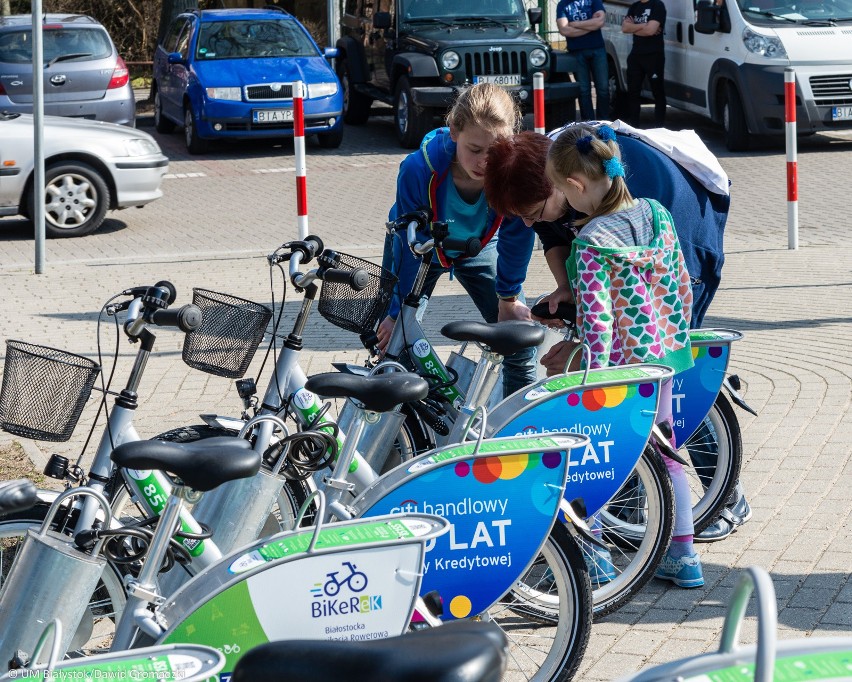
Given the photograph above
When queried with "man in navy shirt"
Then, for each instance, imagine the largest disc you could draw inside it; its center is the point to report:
(580, 21)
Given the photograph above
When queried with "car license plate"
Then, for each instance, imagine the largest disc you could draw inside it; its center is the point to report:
(504, 80)
(841, 113)
(272, 115)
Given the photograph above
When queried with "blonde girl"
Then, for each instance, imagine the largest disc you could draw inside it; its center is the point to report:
(447, 175)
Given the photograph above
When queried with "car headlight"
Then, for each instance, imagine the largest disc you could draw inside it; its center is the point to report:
(450, 60)
(538, 57)
(767, 46)
(140, 146)
(233, 94)
(322, 89)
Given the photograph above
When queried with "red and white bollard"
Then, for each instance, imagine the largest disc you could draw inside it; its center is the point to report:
(538, 102)
(792, 164)
(301, 166)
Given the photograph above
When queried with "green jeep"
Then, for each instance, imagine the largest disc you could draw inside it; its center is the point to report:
(416, 54)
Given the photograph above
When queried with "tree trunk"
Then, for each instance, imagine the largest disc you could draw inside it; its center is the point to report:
(171, 8)
(5, 8)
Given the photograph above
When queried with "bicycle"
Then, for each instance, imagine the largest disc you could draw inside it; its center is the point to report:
(705, 426)
(287, 395)
(389, 549)
(636, 545)
(43, 394)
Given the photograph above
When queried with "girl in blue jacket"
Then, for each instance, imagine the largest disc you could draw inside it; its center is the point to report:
(447, 175)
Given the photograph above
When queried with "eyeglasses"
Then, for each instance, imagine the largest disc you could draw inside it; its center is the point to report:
(536, 219)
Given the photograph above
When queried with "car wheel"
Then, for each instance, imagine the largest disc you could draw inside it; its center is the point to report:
(194, 144)
(161, 123)
(733, 120)
(76, 199)
(331, 139)
(356, 105)
(412, 122)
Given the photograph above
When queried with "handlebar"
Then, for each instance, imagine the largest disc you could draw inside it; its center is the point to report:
(150, 306)
(564, 311)
(301, 252)
(418, 220)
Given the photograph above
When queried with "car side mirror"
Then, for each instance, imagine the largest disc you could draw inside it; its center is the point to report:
(330, 52)
(381, 20)
(175, 58)
(706, 17)
(534, 15)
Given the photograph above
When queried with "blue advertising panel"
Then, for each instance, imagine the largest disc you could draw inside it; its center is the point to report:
(694, 390)
(617, 418)
(500, 507)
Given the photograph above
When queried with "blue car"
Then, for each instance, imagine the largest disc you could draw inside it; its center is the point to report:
(229, 73)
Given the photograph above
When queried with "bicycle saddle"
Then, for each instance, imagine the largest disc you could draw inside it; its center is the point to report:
(460, 651)
(202, 465)
(17, 495)
(379, 393)
(503, 338)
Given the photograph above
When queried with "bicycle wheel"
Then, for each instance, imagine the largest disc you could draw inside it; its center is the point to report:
(715, 452)
(636, 526)
(547, 616)
(94, 634)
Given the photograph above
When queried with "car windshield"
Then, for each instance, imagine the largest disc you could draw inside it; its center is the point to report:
(448, 10)
(77, 44)
(253, 38)
(809, 12)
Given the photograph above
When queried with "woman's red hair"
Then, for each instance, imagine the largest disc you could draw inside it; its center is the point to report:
(515, 178)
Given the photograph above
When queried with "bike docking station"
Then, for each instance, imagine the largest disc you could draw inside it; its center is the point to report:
(33, 588)
(353, 580)
(500, 497)
(815, 659)
(185, 662)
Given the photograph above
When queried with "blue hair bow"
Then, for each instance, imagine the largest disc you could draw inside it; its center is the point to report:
(584, 144)
(606, 133)
(613, 167)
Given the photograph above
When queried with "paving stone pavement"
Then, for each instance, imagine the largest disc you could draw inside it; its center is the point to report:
(223, 212)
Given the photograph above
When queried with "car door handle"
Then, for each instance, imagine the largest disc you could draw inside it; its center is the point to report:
(691, 35)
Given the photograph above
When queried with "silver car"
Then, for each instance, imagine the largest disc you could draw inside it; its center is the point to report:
(84, 76)
(90, 167)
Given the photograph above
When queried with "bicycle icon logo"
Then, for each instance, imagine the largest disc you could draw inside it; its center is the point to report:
(356, 580)
(228, 649)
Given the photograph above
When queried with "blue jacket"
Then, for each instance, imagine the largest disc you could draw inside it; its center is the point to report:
(420, 175)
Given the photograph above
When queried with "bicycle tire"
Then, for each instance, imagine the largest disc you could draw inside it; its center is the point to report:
(106, 603)
(636, 526)
(552, 602)
(715, 453)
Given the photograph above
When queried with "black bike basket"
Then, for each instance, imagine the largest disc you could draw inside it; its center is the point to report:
(357, 311)
(230, 332)
(44, 391)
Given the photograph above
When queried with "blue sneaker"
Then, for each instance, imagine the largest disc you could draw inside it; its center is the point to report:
(684, 571)
(599, 563)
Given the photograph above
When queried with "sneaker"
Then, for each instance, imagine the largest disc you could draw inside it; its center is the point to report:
(684, 571)
(600, 566)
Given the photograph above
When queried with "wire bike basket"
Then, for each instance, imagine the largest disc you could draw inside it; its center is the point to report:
(44, 390)
(357, 311)
(230, 332)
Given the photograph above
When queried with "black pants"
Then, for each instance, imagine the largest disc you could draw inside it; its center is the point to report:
(652, 66)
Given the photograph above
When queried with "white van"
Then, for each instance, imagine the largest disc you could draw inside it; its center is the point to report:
(728, 64)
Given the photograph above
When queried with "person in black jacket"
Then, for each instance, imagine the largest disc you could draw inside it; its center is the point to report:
(646, 21)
